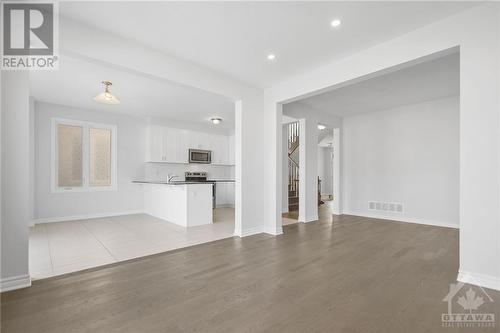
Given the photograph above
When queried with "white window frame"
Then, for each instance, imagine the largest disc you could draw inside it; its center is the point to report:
(86, 187)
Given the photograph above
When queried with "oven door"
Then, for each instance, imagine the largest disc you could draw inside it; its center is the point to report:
(200, 156)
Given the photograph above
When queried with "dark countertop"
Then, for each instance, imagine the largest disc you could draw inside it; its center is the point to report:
(181, 182)
(164, 182)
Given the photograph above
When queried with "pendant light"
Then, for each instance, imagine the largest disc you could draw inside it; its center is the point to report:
(106, 97)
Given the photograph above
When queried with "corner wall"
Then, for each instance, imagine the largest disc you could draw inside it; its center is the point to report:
(407, 155)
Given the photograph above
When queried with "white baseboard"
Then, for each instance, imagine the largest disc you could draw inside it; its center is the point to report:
(486, 281)
(251, 231)
(307, 219)
(274, 231)
(84, 217)
(285, 210)
(259, 230)
(402, 219)
(15, 282)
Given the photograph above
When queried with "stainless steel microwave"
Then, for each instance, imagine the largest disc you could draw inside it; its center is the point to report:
(200, 156)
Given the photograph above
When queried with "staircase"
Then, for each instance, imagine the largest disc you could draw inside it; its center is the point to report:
(293, 166)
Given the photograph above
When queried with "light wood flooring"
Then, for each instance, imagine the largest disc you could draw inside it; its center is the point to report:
(339, 274)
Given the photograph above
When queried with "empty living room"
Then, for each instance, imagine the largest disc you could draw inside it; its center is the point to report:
(250, 166)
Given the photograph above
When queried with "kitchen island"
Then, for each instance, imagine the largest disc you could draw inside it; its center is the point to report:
(185, 203)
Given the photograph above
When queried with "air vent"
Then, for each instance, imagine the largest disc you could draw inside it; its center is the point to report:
(385, 206)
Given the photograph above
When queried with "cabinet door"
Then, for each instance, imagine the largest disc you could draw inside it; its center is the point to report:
(231, 151)
(230, 194)
(154, 149)
(220, 194)
(185, 143)
(219, 149)
(172, 143)
(204, 141)
(194, 140)
(224, 149)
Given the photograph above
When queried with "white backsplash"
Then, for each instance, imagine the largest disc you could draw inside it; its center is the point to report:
(160, 171)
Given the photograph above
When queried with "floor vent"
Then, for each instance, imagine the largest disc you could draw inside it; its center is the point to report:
(385, 206)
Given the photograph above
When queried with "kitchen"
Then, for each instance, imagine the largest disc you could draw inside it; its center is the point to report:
(146, 166)
(189, 201)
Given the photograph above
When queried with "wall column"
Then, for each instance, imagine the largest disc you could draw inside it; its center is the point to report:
(15, 178)
(337, 154)
(284, 168)
(308, 170)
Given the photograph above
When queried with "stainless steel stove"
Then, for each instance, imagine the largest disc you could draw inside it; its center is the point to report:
(195, 176)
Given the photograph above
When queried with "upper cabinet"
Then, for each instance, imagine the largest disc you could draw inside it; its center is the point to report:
(171, 145)
(231, 151)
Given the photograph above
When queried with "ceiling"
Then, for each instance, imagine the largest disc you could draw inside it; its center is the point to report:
(426, 81)
(77, 82)
(234, 38)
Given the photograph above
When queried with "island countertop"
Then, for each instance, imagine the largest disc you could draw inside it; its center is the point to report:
(164, 182)
(182, 182)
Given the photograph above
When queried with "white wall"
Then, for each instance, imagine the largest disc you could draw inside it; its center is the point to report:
(408, 155)
(131, 151)
(325, 170)
(478, 41)
(15, 179)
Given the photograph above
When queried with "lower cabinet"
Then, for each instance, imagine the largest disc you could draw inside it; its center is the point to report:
(224, 194)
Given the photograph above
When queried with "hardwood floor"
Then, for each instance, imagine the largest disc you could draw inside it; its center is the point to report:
(340, 274)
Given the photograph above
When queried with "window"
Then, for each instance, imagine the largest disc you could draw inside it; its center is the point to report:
(83, 155)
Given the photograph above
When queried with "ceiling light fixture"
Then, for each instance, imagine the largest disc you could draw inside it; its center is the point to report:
(271, 57)
(336, 23)
(215, 121)
(106, 97)
(321, 127)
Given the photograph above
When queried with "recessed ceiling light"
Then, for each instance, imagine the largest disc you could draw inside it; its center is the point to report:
(336, 23)
(271, 57)
(215, 121)
(107, 97)
(321, 127)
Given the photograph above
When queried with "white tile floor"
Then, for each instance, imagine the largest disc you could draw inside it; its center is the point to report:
(64, 247)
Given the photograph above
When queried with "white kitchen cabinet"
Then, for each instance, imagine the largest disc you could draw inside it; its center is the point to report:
(154, 151)
(230, 194)
(220, 149)
(184, 146)
(171, 145)
(220, 194)
(224, 194)
(231, 152)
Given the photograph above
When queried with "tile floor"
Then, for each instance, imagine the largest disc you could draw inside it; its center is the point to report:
(64, 247)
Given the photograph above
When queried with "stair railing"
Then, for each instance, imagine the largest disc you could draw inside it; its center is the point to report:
(293, 168)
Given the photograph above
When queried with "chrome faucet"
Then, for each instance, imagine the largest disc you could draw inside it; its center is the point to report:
(170, 177)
